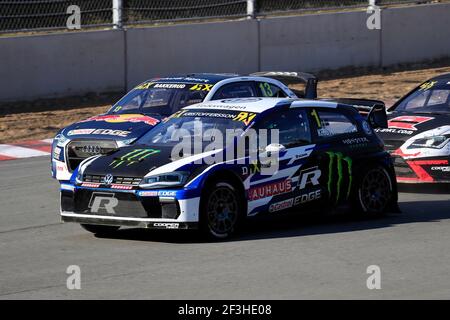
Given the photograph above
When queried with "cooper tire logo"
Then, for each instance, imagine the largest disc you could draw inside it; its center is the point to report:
(103, 201)
(339, 169)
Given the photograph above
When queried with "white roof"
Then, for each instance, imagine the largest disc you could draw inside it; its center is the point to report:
(258, 105)
(244, 104)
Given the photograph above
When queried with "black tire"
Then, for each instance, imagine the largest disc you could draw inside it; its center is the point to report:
(221, 210)
(374, 191)
(100, 229)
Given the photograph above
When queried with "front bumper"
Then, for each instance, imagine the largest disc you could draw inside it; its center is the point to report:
(422, 170)
(146, 223)
(155, 209)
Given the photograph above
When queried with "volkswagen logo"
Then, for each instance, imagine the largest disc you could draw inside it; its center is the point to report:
(92, 149)
(108, 179)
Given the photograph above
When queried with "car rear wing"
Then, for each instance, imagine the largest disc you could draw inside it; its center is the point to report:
(294, 78)
(373, 110)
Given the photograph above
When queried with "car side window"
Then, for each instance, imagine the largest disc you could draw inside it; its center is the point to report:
(292, 125)
(243, 89)
(332, 123)
(270, 90)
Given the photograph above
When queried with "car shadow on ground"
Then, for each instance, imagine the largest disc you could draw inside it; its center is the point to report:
(293, 224)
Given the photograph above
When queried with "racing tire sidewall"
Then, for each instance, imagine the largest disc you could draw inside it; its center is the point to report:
(362, 205)
(205, 224)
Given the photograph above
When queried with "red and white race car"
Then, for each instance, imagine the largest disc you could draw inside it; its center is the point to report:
(419, 133)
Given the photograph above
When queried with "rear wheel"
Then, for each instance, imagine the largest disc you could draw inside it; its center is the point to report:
(99, 229)
(221, 211)
(374, 191)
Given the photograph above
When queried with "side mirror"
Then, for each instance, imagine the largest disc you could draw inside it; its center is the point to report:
(275, 147)
(377, 117)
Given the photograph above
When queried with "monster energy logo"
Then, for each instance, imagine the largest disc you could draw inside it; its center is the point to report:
(339, 164)
(133, 157)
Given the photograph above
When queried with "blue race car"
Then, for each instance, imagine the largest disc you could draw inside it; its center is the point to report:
(188, 172)
(144, 107)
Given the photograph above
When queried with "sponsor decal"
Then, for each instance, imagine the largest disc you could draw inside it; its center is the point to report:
(269, 190)
(308, 177)
(254, 168)
(443, 169)
(239, 100)
(359, 142)
(134, 156)
(144, 86)
(120, 118)
(201, 87)
(167, 193)
(61, 167)
(170, 85)
(109, 132)
(207, 114)
(166, 225)
(80, 131)
(417, 167)
(103, 201)
(339, 169)
(393, 130)
(245, 117)
(427, 85)
(282, 205)
(292, 202)
(56, 152)
(407, 122)
(148, 193)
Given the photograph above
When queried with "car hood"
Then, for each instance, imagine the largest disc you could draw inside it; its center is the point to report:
(403, 126)
(111, 127)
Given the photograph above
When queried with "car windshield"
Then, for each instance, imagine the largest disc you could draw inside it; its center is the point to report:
(159, 98)
(195, 125)
(430, 97)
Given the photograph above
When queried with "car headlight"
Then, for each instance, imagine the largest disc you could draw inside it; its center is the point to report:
(170, 179)
(435, 142)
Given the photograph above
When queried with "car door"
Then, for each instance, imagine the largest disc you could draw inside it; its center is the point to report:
(285, 187)
(336, 134)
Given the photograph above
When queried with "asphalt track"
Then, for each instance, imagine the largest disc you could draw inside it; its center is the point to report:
(280, 258)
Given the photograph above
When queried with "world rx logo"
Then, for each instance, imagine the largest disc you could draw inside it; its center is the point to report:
(103, 201)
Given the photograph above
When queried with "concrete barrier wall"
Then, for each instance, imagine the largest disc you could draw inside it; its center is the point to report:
(317, 42)
(211, 47)
(67, 64)
(61, 64)
(415, 33)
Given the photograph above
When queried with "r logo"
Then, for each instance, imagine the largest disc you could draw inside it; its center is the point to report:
(310, 175)
(103, 201)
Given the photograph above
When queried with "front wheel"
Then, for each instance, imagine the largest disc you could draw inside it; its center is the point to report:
(374, 192)
(221, 211)
(99, 229)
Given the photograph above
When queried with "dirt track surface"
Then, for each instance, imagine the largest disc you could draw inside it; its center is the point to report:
(387, 86)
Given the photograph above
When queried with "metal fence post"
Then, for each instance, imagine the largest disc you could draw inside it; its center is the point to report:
(250, 9)
(117, 13)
